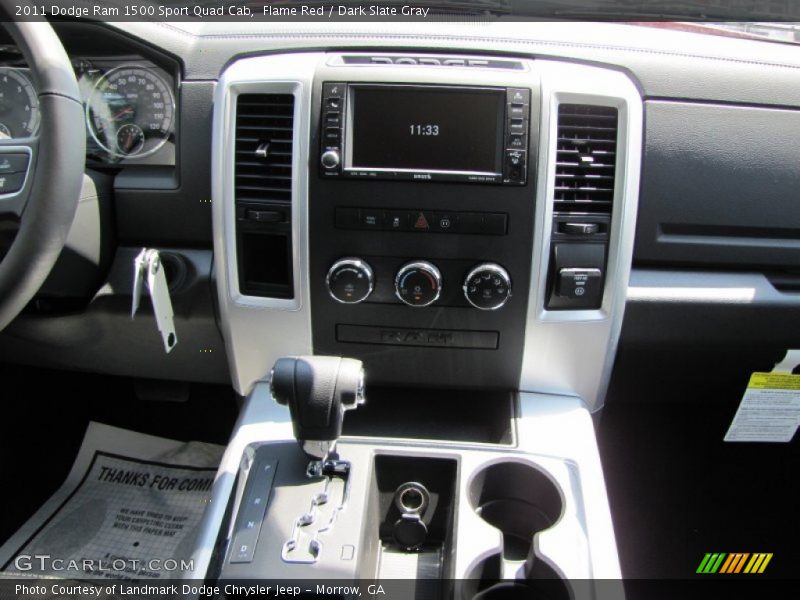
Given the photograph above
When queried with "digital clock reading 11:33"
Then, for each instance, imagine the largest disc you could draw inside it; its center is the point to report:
(424, 129)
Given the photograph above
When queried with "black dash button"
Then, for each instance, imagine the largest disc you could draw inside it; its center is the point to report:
(518, 96)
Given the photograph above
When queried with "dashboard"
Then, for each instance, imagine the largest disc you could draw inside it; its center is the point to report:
(473, 206)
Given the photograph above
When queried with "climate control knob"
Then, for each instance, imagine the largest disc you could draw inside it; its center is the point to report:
(487, 286)
(350, 280)
(418, 283)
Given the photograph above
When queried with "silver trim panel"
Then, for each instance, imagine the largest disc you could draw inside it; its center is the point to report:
(571, 352)
(261, 419)
(258, 331)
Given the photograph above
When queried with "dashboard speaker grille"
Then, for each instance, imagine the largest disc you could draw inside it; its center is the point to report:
(586, 158)
(264, 127)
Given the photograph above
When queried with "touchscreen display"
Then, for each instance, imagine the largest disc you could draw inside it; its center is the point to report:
(427, 129)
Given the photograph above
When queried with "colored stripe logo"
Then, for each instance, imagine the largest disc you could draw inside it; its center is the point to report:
(735, 562)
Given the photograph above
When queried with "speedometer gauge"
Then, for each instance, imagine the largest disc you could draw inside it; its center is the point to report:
(19, 105)
(130, 112)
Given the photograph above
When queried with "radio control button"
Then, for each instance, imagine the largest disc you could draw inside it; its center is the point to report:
(350, 280)
(333, 135)
(487, 286)
(518, 125)
(517, 112)
(418, 283)
(518, 96)
(330, 159)
(333, 90)
(333, 119)
(518, 141)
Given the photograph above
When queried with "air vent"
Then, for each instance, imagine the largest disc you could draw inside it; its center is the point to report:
(263, 191)
(264, 148)
(586, 158)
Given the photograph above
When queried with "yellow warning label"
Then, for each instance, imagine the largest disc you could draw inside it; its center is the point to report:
(774, 381)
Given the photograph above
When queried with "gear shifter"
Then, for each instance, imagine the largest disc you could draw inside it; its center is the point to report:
(318, 390)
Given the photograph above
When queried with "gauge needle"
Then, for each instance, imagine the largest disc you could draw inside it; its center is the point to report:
(122, 113)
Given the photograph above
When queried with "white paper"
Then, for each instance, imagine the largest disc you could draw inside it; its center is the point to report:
(766, 415)
(770, 408)
(128, 509)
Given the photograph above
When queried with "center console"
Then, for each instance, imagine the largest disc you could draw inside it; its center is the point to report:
(453, 223)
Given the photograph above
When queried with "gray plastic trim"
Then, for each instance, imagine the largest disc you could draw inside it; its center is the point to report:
(257, 330)
(572, 352)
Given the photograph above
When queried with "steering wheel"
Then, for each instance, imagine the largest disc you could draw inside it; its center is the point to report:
(45, 205)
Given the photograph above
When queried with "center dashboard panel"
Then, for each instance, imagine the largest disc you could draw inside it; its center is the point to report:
(421, 224)
(452, 221)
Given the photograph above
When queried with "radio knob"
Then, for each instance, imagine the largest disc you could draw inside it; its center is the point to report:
(487, 286)
(418, 283)
(350, 280)
(330, 159)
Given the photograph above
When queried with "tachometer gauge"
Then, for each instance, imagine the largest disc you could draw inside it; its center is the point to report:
(19, 105)
(130, 112)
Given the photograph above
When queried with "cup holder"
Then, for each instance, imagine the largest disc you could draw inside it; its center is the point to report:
(519, 500)
(486, 582)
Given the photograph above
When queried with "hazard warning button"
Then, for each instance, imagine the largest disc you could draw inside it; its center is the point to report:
(421, 220)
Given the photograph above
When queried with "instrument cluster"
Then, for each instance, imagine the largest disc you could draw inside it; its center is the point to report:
(130, 110)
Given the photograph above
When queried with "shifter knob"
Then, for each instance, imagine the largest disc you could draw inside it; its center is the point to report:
(318, 389)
